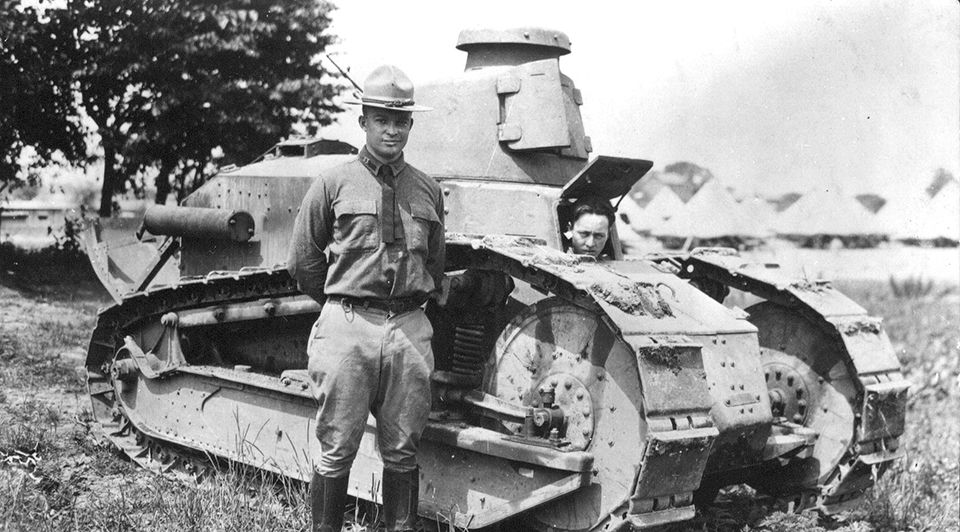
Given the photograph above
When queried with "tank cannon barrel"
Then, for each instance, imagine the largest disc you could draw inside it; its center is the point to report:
(199, 222)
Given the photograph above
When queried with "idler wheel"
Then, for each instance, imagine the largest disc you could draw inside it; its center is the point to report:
(594, 375)
(809, 383)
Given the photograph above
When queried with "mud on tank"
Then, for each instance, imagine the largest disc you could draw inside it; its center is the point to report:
(570, 394)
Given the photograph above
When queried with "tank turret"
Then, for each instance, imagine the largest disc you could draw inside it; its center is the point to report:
(511, 116)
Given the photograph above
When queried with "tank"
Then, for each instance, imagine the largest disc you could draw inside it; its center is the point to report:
(570, 394)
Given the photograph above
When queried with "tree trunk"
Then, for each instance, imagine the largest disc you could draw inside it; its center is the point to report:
(163, 180)
(109, 180)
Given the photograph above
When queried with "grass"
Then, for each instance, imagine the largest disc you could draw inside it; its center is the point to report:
(55, 474)
(38, 362)
(922, 492)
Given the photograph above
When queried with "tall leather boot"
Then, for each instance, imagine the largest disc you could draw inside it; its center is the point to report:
(328, 500)
(401, 493)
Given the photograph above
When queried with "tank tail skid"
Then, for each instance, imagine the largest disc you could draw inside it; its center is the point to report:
(877, 388)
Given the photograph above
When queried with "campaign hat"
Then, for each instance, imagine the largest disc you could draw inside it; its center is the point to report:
(387, 87)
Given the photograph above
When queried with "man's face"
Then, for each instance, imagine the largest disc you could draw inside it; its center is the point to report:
(387, 131)
(590, 233)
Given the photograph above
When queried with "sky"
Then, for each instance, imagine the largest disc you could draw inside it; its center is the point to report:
(772, 97)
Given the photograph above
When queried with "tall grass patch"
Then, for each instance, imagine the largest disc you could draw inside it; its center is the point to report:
(33, 357)
(921, 492)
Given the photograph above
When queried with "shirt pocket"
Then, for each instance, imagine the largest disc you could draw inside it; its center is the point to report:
(357, 227)
(423, 219)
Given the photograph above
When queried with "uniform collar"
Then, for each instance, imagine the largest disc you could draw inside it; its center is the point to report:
(373, 164)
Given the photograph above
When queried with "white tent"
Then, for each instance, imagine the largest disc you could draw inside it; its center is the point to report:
(903, 215)
(627, 212)
(763, 212)
(660, 209)
(826, 212)
(712, 213)
(943, 220)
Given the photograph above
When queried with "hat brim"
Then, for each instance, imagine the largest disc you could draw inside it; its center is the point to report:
(414, 108)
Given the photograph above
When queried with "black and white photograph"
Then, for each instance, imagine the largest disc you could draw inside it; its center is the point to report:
(532, 266)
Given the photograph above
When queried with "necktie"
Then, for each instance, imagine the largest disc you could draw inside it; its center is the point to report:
(391, 228)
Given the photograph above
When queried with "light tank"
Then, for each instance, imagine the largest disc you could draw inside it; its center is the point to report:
(570, 393)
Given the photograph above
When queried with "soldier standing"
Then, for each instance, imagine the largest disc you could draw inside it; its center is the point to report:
(369, 351)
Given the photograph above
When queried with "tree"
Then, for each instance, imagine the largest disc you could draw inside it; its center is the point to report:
(36, 104)
(167, 81)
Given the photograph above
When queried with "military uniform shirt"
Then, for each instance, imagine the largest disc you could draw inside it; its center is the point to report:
(378, 248)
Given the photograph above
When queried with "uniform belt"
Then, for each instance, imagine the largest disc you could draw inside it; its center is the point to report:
(395, 306)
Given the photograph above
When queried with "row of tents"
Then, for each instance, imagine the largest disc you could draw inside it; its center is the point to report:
(818, 218)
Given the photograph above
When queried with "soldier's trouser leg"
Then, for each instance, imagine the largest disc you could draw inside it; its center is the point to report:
(328, 498)
(344, 366)
(402, 409)
(364, 360)
(401, 493)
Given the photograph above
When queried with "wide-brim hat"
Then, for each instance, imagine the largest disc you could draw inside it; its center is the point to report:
(387, 87)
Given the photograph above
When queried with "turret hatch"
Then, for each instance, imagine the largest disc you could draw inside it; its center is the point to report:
(606, 177)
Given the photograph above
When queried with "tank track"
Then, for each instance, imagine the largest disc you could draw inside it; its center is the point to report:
(151, 453)
(593, 286)
(880, 398)
(559, 275)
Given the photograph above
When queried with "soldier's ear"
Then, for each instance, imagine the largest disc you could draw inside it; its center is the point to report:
(411, 123)
(362, 119)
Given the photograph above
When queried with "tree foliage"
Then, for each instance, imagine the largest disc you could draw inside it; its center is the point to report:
(36, 103)
(169, 82)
